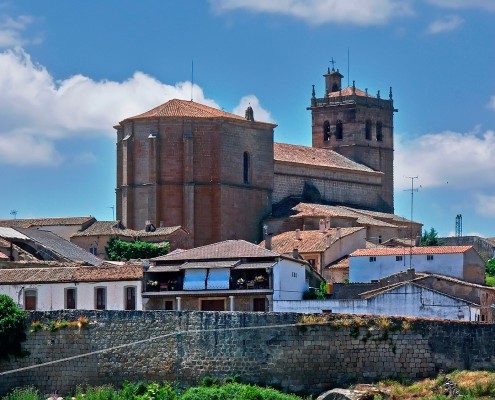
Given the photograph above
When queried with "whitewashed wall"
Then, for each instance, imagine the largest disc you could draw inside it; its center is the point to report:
(51, 296)
(407, 300)
(289, 280)
(362, 270)
(345, 246)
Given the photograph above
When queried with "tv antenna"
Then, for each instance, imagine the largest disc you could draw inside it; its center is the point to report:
(14, 213)
(113, 212)
(412, 178)
(192, 78)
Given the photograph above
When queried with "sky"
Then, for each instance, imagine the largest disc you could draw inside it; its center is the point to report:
(71, 70)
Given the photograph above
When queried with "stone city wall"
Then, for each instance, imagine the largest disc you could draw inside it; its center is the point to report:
(266, 348)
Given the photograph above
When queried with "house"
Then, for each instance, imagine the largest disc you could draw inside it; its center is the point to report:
(232, 275)
(319, 247)
(95, 238)
(461, 262)
(39, 245)
(63, 227)
(104, 287)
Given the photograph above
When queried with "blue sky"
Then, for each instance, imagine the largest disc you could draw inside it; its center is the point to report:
(69, 71)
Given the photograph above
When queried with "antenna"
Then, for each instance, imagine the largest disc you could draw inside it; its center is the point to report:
(412, 178)
(458, 226)
(348, 67)
(192, 78)
(14, 213)
(113, 212)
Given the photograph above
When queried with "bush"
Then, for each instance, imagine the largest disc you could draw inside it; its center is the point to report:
(12, 328)
(119, 250)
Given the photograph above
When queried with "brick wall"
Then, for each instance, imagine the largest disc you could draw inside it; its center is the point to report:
(261, 347)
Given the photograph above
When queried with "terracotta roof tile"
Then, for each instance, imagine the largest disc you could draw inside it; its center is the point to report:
(348, 92)
(229, 249)
(342, 263)
(313, 241)
(31, 222)
(390, 251)
(103, 273)
(3, 256)
(115, 228)
(314, 156)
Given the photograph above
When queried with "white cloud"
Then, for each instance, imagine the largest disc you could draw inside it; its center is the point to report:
(40, 110)
(459, 160)
(485, 204)
(457, 4)
(11, 30)
(260, 114)
(369, 12)
(445, 24)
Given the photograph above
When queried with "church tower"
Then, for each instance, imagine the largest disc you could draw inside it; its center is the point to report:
(359, 126)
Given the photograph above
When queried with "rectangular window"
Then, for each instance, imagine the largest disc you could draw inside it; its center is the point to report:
(259, 305)
(168, 305)
(398, 258)
(30, 299)
(70, 298)
(372, 259)
(130, 297)
(429, 257)
(101, 298)
(93, 250)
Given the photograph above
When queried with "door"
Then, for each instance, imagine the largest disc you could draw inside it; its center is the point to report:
(213, 305)
(130, 298)
(259, 305)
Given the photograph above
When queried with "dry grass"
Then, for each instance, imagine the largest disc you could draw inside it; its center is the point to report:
(476, 383)
(384, 323)
(313, 319)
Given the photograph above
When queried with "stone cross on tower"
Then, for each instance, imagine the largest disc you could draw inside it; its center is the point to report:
(332, 61)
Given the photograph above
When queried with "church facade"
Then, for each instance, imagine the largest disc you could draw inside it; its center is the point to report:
(218, 174)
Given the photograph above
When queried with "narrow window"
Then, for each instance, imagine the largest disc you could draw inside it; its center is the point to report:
(101, 298)
(70, 298)
(372, 259)
(30, 300)
(429, 257)
(130, 297)
(247, 167)
(326, 131)
(339, 131)
(379, 134)
(93, 250)
(367, 129)
(398, 258)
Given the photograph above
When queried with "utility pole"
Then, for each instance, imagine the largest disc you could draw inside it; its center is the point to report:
(412, 178)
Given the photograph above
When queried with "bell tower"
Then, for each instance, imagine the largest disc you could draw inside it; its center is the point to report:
(357, 125)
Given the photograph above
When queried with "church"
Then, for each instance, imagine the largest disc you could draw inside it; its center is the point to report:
(219, 175)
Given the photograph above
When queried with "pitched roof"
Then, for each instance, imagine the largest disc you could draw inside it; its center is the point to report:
(30, 222)
(115, 228)
(60, 246)
(309, 241)
(188, 109)
(103, 273)
(348, 91)
(390, 251)
(314, 156)
(229, 249)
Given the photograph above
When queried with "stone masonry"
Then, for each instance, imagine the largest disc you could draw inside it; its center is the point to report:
(265, 348)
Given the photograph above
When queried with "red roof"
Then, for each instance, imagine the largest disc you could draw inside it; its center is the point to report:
(392, 251)
(348, 92)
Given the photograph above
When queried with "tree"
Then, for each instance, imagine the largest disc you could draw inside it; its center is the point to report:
(490, 267)
(430, 238)
(119, 250)
(12, 328)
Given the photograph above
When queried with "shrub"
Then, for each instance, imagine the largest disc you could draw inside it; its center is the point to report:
(119, 250)
(12, 328)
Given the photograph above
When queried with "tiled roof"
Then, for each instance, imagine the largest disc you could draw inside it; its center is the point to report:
(30, 222)
(103, 273)
(315, 156)
(348, 92)
(11, 233)
(3, 256)
(424, 275)
(60, 246)
(391, 251)
(313, 241)
(115, 228)
(386, 217)
(342, 263)
(229, 249)
(188, 109)
(322, 210)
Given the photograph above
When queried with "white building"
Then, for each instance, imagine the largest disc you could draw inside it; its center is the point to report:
(106, 287)
(461, 262)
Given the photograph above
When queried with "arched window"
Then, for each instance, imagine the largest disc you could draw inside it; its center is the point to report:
(339, 131)
(326, 131)
(379, 134)
(246, 167)
(367, 130)
(335, 87)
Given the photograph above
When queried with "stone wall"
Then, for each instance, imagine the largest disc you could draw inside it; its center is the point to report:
(262, 347)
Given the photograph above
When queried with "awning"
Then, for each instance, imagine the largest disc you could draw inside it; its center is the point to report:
(218, 279)
(194, 279)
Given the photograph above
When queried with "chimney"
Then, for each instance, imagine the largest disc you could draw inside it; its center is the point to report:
(268, 241)
(329, 240)
(295, 254)
(298, 234)
(327, 223)
(338, 234)
(322, 225)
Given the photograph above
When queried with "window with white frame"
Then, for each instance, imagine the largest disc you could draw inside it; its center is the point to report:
(101, 298)
(30, 299)
(93, 250)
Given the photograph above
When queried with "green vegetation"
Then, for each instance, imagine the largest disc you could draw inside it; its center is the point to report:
(430, 238)
(12, 328)
(119, 250)
(490, 272)
(54, 326)
(211, 390)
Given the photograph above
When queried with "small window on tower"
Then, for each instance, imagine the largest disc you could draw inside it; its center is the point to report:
(367, 129)
(379, 134)
(326, 131)
(339, 131)
(247, 167)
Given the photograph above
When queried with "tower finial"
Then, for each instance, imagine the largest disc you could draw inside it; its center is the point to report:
(390, 93)
(249, 115)
(332, 61)
(313, 93)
